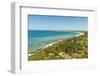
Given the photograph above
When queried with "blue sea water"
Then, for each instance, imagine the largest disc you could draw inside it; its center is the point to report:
(40, 38)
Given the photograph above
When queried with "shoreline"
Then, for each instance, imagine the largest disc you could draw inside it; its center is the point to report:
(50, 44)
(81, 33)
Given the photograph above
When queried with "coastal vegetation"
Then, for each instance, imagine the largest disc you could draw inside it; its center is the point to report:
(71, 48)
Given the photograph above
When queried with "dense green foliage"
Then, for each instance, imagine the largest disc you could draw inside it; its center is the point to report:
(76, 47)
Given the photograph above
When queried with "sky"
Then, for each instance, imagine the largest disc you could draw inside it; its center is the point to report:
(47, 22)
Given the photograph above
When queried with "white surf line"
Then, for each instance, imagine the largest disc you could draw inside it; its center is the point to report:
(46, 46)
(51, 44)
(81, 33)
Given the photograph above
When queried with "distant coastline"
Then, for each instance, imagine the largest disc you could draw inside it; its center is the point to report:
(40, 38)
(61, 55)
(50, 44)
(81, 33)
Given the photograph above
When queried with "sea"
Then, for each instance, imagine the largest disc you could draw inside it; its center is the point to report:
(39, 38)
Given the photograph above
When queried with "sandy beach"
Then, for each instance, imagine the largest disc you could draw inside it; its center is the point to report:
(61, 40)
(81, 33)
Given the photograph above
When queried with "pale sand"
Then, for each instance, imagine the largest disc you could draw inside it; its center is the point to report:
(30, 54)
(79, 34)
(52, 44)
(56, 42)
(46, 46)
(61, 40)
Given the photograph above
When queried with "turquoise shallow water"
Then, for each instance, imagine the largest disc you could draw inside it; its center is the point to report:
(39, 38)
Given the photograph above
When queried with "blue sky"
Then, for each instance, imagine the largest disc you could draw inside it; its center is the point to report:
(43, 22)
